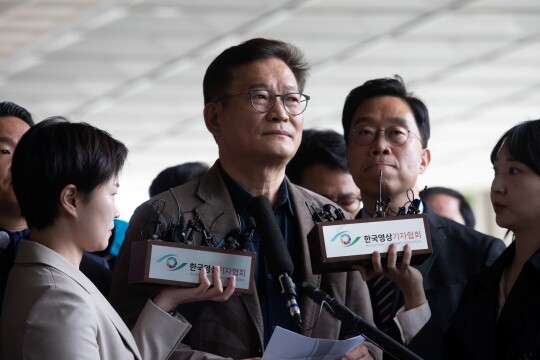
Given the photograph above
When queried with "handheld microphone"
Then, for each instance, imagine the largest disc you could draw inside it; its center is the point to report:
(276, 253)
(353, 320)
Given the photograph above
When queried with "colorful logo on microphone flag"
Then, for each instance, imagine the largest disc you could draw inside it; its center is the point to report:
(171, 262)
(345, 239)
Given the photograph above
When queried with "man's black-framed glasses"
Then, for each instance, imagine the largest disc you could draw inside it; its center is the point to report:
(395, 135)
(263, 101)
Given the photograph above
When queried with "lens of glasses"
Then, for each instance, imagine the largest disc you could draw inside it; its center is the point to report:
(293, 103)
(395, 135)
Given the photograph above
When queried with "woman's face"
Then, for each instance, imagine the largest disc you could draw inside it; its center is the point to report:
(515, 193)
(97, 213)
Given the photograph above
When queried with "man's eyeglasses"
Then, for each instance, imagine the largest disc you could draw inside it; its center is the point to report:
(263, 101)
(395, 135)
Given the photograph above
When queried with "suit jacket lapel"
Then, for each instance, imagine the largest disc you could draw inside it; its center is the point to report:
(118, 323)
(521, 304)
(309, 309)
(469, 323)
(44, 255)
(217, 210)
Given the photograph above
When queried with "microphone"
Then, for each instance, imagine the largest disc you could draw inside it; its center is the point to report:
(315, 216)
(246, 235)
(337, 215)
(414, 207)
(340, 311)
(276, 253)
(156, 229)
(353, 320)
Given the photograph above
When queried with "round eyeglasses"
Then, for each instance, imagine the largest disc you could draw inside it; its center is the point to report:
(263, 101)
(395, 135)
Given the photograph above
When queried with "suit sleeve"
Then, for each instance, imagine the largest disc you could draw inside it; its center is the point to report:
(157, 333)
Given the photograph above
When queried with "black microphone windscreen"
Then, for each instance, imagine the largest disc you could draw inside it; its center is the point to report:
(272, 242)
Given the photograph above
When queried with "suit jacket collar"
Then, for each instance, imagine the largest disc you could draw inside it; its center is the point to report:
(300, 197)
(216, 208)
(31, 252)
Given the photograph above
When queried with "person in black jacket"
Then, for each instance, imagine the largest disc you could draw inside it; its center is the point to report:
(499, 314)
(387, 131)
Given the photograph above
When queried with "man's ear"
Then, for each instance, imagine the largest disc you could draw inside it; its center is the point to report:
(425, 160)
(211, 118)
(69, 199)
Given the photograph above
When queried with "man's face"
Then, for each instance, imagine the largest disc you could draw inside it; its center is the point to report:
(400, 164)
(11, 131)
(334, 184)
(243, 134)
(446, 206)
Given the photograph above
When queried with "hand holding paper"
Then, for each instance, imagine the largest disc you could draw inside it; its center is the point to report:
(288, 345)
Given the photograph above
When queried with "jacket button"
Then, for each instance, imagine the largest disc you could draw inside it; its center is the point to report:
(259, 351)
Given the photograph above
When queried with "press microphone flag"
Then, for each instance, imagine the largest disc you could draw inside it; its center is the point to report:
(276, 253)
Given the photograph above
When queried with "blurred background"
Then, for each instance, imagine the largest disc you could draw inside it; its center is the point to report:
(135, 69)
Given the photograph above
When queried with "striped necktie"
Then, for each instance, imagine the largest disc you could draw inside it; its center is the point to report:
(384, 300)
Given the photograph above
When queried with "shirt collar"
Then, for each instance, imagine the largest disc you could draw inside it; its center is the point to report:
(241, 198)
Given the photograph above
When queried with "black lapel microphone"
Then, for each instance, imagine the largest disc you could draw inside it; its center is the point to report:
(246, 235)
(276, 253)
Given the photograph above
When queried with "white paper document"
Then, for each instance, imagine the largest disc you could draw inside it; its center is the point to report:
(288, 345)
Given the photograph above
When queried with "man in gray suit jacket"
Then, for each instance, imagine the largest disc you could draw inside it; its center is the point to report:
(387, 130)
(254, 110)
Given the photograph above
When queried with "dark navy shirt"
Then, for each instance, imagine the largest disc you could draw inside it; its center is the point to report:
(273, 304)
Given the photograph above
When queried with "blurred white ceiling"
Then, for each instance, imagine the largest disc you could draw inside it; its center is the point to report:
(135, 69)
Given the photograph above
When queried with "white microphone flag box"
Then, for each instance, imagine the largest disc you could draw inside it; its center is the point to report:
(161, 262)
(338, 245)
